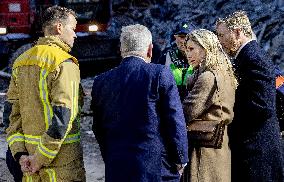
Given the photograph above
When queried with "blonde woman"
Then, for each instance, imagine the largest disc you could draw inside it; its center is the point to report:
(211, 97)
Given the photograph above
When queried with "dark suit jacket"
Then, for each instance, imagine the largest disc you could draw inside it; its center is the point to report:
(279, 100)
(254, 132)
(139, 122)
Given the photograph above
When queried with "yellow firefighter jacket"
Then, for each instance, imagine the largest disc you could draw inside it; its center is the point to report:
(43, 92)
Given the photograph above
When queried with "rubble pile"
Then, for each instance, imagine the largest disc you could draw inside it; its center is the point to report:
(161, 16)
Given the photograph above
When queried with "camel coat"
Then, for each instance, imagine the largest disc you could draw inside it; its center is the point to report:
(203, 102)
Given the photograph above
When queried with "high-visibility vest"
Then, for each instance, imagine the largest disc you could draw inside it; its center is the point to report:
(181, 74)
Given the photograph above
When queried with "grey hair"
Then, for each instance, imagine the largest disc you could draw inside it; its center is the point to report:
(135, 40)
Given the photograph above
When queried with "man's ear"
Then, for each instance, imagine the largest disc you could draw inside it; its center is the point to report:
(149, 51)
(59, 28)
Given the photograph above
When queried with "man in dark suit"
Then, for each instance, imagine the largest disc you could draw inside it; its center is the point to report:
(254, 133)
(138, 117)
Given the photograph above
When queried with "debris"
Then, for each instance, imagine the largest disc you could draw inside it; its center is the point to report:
(5, 75)
(267, 17)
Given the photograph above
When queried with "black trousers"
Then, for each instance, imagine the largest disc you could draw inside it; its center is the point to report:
(282, 142)
(13, 166)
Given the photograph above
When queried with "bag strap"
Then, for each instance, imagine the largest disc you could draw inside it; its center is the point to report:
(218, 95)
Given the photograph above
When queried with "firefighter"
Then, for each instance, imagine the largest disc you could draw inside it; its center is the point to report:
(44, 129)
(174, 57)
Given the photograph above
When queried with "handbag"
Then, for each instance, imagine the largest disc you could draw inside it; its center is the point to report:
(207, 133)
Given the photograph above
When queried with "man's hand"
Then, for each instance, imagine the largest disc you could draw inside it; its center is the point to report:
(25, 163)
(34, 165)
(180, 168)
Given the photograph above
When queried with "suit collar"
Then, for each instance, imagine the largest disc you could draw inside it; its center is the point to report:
(133, 58)
(250, 45)
(244, 44)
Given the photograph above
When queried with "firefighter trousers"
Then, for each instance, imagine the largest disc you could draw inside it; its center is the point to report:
(73, 172)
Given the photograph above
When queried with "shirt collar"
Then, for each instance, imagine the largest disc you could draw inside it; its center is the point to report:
(135, 56)
(244, 44)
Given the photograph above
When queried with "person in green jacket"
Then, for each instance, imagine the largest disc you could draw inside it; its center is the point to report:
(174, 57)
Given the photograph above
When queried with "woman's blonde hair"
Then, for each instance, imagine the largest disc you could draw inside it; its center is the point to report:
(216, 58)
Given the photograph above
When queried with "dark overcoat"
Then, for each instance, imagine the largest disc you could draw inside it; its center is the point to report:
(254, 133)
(139, 122)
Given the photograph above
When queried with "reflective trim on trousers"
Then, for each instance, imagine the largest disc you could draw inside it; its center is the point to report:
(29, 178)
(52, 175)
